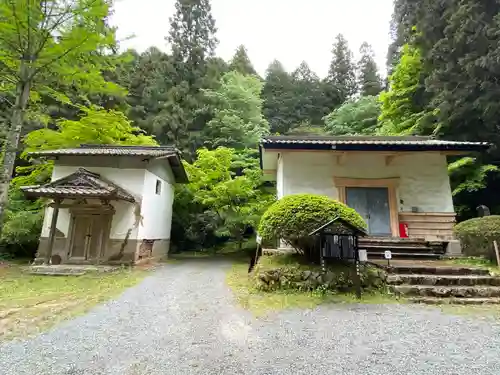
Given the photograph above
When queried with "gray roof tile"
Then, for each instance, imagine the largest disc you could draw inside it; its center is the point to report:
(81, 183)
(171, 153)
(424, 143)
(109, 150)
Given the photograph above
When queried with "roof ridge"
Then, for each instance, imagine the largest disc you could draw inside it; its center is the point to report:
(145, 147)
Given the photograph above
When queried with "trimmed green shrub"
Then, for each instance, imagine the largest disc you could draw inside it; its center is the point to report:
(477, 236)
(293, 217)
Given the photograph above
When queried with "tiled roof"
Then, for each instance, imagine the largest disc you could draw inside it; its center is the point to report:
(82, 183)
(171, 153)
(369, 142)
(109, 150)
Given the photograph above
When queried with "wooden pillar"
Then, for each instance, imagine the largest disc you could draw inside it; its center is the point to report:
(357, 275)
(52, 233)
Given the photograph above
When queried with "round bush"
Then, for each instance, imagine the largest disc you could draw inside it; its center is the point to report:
(293, 217)
(477, 236)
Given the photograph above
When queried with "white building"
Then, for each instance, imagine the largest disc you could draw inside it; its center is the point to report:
(110, 204)
(388, 180)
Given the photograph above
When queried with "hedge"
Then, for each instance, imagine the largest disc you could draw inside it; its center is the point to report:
(477, 236)
(293, 217)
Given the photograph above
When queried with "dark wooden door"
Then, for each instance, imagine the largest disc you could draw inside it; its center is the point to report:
(373, 206)
(87, 241)
(81, 236)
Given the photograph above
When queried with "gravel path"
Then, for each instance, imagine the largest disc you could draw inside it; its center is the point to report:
(183, 320)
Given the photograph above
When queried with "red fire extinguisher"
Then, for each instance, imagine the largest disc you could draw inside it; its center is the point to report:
(403, 230)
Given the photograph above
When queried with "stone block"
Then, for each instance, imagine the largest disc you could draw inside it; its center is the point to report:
(454, 249)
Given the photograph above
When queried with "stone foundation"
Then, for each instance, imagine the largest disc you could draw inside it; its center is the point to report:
(161, 249)
(58, 249)
(134, 251)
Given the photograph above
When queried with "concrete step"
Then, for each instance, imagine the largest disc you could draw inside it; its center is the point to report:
(443, 280)
(455, 301)
(437, 270)
(481, 291)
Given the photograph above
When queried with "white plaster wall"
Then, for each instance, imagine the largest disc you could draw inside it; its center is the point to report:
(308, 172)
(424, 181)
(130, 179)
(156, 208)
(279, 178)
(161, 168)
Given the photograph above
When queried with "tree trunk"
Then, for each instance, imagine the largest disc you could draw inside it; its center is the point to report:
(12, 140)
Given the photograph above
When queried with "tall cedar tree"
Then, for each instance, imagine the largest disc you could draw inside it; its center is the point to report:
(279, 97)
(47, 44)
(465, 66)
(140, 81)
(369, 81)
(460, 41)
(193, 42)
(404, 18)
(342, 72)
(309, 103)
(241, 62)
(454, 53)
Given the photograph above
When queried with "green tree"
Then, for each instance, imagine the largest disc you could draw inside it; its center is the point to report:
(354, 117)
(279, 98)
(307, 129)
(193, 42)
(341, 74)
(237, 201)
(309, 103)
(241, 62)
(464, 68)
(405, 104)
(404, 18)
(369, 81)
(95, 126)
(145, 81)
(47, 44)
(237, 112)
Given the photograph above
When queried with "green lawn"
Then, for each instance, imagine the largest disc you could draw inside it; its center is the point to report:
(32, 303)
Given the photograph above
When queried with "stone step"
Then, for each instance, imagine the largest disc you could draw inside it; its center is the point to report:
(56, 272)
(446, 291)
(401, 249)
(438, 270)
(443, 280)
(455, 301)
(391, 240)
(403, 255)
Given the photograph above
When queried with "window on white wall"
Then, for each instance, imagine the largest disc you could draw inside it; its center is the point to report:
(158, 187)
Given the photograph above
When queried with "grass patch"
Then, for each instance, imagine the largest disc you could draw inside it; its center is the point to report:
(261, 303)
(30, 304)
(478, 262)
(489, 311)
